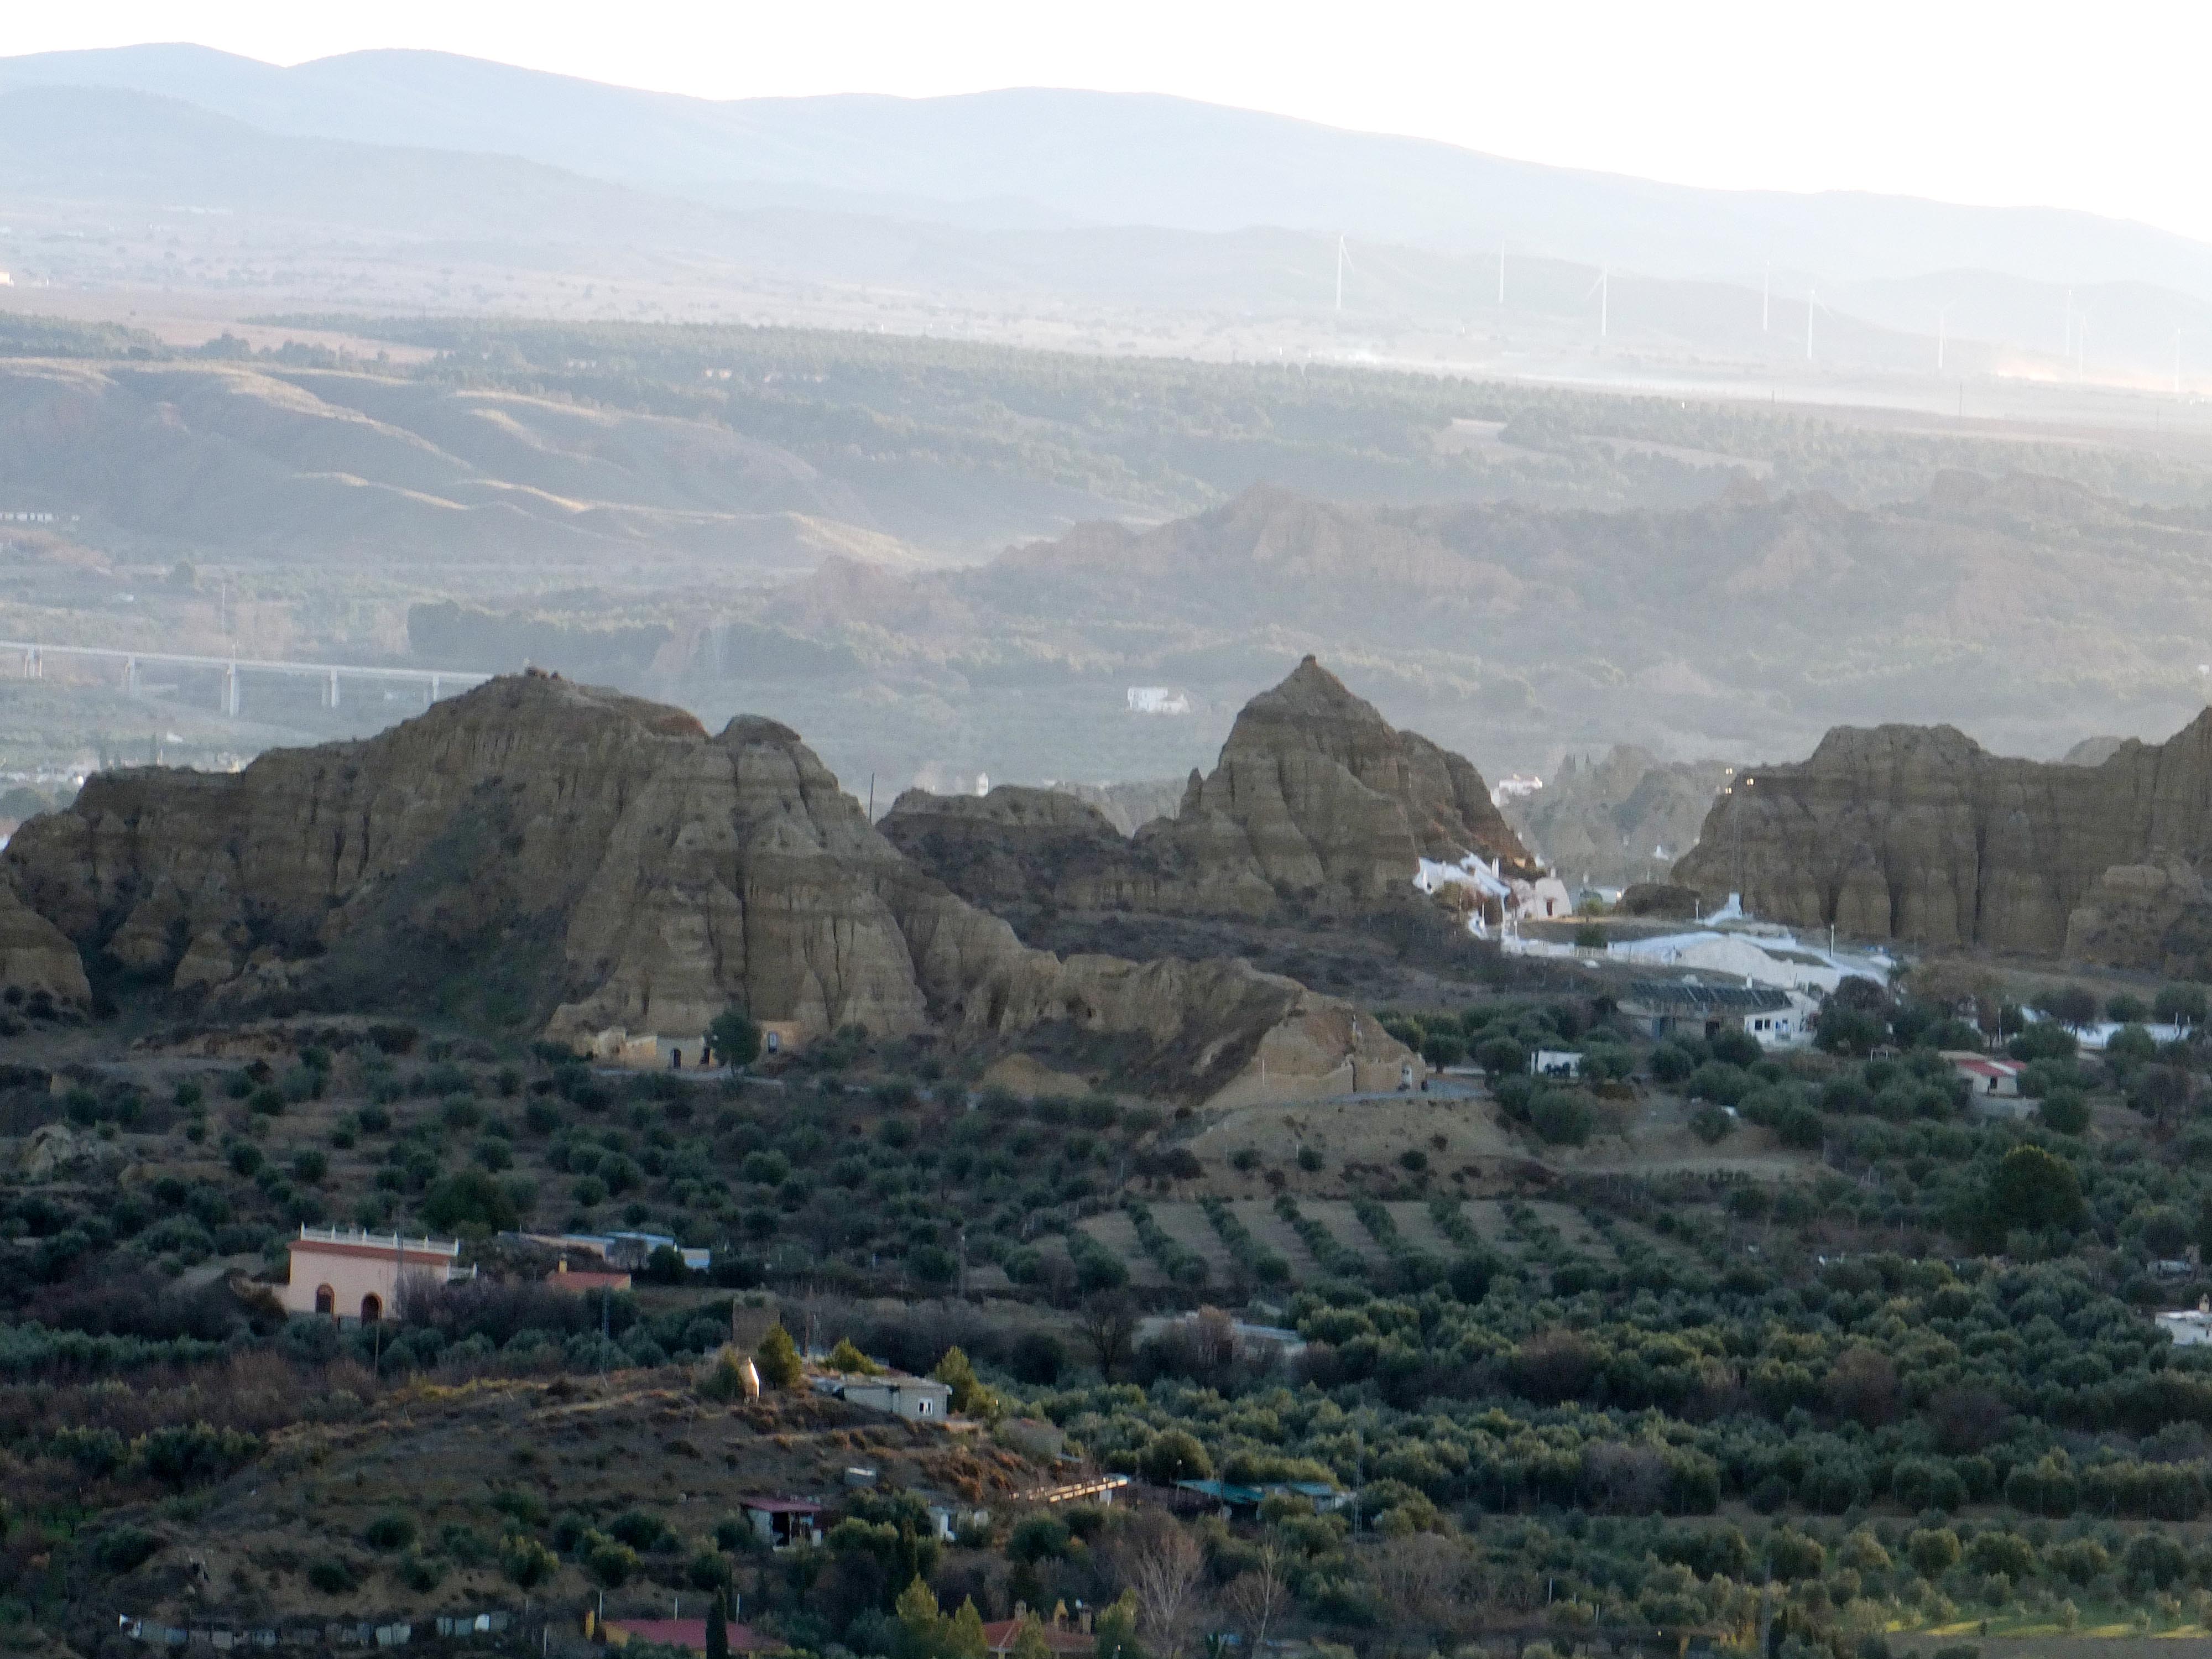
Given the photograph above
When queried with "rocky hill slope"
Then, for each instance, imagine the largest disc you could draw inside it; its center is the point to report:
(1616, 819)
(608, 863)
(1919, 834)
(1317, 803)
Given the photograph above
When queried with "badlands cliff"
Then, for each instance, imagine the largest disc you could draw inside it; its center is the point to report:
(1317, 803)
(630, 870)
(1919, 834)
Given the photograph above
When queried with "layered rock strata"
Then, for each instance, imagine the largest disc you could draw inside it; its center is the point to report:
(1918, 834)
(1317, 803)
(615, 863)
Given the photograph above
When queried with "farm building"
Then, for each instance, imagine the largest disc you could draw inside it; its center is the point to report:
(780, 1521)
(344, 1273)
(917, 1398)
(1662, 1008)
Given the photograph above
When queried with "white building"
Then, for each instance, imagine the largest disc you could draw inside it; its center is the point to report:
(1777, 959)
(2190, 1328)
(1989, 1078)
(1158, 700)
(1494, 896)
(1773, 1018)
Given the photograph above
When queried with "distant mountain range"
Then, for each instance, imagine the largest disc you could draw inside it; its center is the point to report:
(1029, 157)
(1123, 204)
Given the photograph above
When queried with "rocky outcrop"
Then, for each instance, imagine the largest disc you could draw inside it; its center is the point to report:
(38, 963)
(1622, 818)
(1919, 834)
(1023, 847)
(1317, 803)
(598, 858)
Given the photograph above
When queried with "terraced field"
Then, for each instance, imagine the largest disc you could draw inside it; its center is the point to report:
(1514, 1232)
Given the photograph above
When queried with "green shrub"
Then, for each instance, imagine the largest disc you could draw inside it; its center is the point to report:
(1563, 1117)
(611, 1563)
(1710, 1122)
(126, 1547)
(393, 1530)
(2065, 1111)
(332, 1575)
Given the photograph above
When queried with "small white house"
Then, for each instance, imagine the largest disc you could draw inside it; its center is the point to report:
(1158, 700)
(2192, 1328)
(917, 1398)
(1775, 1019)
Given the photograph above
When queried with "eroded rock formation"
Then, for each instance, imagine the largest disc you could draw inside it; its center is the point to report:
(1316, 802)
(606, 862)
(1919, 834)
(37, 960)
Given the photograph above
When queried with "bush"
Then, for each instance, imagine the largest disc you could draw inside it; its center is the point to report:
(2065, 1111)
(1037, 1360)
(1735, 1046)
(777, 1359)
(1443, 1048)
(2180, 1004)
(393, 1530)
(469, 1201)
(639, 1531)
(1563, 1117)
(610, 1562)
(332, 1576)
(1501, 1056)
(1710, 1122)
(1671, 1063)
(2044, 1040)
(126, 1547)
(1174, 1456)
(1716, 1081)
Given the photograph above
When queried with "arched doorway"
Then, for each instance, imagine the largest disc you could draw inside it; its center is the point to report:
(326, 1300)
(372, 1308)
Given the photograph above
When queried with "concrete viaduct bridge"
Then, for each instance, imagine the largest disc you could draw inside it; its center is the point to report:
(229, 672)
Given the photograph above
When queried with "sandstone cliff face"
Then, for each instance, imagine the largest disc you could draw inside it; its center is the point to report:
(37, 960)
(1316, 801)
(618, 864)
(1918, 834)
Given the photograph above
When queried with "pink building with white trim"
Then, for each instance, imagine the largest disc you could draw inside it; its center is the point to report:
(346, 1273)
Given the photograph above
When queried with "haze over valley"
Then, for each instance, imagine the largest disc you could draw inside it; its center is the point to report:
(1041, 872)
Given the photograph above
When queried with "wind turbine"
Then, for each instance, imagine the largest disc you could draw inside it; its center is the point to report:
(1603, 288)
(1942, 316)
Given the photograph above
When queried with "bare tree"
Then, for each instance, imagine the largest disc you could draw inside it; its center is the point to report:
(1162, 1564)
(1110, 1326)
(1255, 1597)
(1417, 1577)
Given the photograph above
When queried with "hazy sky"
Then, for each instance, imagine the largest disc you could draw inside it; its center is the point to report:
(2087, 106)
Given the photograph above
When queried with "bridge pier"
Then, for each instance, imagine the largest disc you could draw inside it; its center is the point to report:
(34, 666)
(331, 690)
(131, 676)
(230, 689)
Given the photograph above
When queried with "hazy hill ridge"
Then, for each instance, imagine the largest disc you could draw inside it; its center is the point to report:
(1030, 156)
